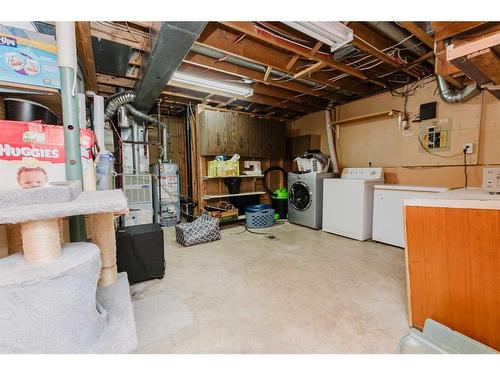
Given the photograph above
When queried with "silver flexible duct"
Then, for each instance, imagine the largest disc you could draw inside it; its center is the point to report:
(450, 95)
(117, 100)
(125, 98)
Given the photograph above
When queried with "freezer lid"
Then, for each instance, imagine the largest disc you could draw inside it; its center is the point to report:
(428, 189)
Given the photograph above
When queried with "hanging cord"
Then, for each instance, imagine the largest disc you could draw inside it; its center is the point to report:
(465, 167)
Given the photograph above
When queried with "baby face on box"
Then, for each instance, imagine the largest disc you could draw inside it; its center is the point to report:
(31, 177)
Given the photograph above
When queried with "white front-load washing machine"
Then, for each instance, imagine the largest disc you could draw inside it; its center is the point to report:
(305, 198)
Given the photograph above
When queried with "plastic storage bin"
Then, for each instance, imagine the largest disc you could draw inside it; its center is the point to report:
(260, 219)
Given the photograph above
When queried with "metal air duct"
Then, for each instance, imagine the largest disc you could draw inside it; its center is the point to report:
(450, 95)
(170, 43)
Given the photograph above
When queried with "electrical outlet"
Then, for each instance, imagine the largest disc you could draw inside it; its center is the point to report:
(468, 147)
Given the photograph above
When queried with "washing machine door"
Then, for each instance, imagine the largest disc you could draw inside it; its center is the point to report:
(300, 196)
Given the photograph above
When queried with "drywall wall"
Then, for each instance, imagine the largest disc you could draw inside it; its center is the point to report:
(382, 143)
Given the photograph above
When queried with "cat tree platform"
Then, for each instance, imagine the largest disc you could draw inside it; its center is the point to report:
(51, 301)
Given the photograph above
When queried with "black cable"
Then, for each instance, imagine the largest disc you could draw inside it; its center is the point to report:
(269, 235)
(465, 167)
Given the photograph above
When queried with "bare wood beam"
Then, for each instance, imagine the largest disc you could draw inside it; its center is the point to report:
(268, 71)
(115, 81)
(488, 63)
(418, 33)
(256, 52)
(86, 54)
(263, 89)
(316, 47)
(366, 40)
(292, 62)
(119, 34)
(314, 97)
(249, 29)
(309, 70)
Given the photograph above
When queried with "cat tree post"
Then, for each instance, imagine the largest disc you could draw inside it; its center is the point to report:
(41, 240)
(4, 246)
(103, 235)
(14, 238)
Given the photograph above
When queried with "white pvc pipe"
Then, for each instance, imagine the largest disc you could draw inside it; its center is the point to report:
(99, 121)
(331, 142)
(66, 45)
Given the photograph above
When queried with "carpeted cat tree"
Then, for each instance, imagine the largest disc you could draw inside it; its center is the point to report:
(62, 298)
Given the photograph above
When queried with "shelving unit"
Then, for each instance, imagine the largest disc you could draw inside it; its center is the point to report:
(210, 196)
(238, 176)
(365, 117)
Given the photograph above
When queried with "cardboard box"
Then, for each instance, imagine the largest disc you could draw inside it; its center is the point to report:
(32, 155)
(219, 168)
(28, 57)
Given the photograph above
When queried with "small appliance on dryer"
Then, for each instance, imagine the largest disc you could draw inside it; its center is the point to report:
(305, 193)
(348, 202)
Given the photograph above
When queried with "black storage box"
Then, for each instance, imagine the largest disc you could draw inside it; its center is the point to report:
(140, 252)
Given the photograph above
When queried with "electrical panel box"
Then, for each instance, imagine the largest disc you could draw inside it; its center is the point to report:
(435, 136)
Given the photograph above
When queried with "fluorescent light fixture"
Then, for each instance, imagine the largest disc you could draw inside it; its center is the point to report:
(334, 34)
(195, 82)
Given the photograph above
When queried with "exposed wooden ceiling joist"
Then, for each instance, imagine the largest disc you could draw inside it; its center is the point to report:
(239, 71)
(258, 87)
(86, 55)
(253, 51)
(418, 33)
(249, 29)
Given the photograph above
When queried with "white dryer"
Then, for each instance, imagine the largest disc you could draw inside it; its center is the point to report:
(305, 193)
(348, 202)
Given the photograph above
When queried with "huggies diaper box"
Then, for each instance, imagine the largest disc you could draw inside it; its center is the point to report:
(32, 155)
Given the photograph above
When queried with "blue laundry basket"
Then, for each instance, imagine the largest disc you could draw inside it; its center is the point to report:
(260, 219)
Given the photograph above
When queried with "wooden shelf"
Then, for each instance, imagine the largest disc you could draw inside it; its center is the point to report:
(210, 196)
(365, 117)
(238, 176)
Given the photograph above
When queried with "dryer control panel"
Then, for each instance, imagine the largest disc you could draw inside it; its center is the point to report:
(363, 173)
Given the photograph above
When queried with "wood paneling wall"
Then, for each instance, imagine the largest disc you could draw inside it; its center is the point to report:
(453, 263)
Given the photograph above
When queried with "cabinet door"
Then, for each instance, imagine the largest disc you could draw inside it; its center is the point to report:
(243, 140)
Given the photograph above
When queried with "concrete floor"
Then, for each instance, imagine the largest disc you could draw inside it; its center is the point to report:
(305, 291)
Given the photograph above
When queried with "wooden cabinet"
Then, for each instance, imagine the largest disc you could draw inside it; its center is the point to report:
(453, 268)
(296, 146)
(227, 133)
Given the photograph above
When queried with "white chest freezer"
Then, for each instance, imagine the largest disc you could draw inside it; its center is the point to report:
(388, 210)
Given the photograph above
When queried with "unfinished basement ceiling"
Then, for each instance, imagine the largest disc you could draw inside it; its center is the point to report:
(291, 73)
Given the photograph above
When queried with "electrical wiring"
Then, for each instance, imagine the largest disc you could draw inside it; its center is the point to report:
(432, 153)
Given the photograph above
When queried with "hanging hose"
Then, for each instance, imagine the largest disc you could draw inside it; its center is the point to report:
(271, 194)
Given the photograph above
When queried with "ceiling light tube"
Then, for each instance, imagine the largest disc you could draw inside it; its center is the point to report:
(191, 81)
(334, 34)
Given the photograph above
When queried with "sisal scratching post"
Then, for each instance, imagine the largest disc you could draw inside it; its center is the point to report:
(4, 246)
(41, 240)
(14, 238)
(103, 235)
